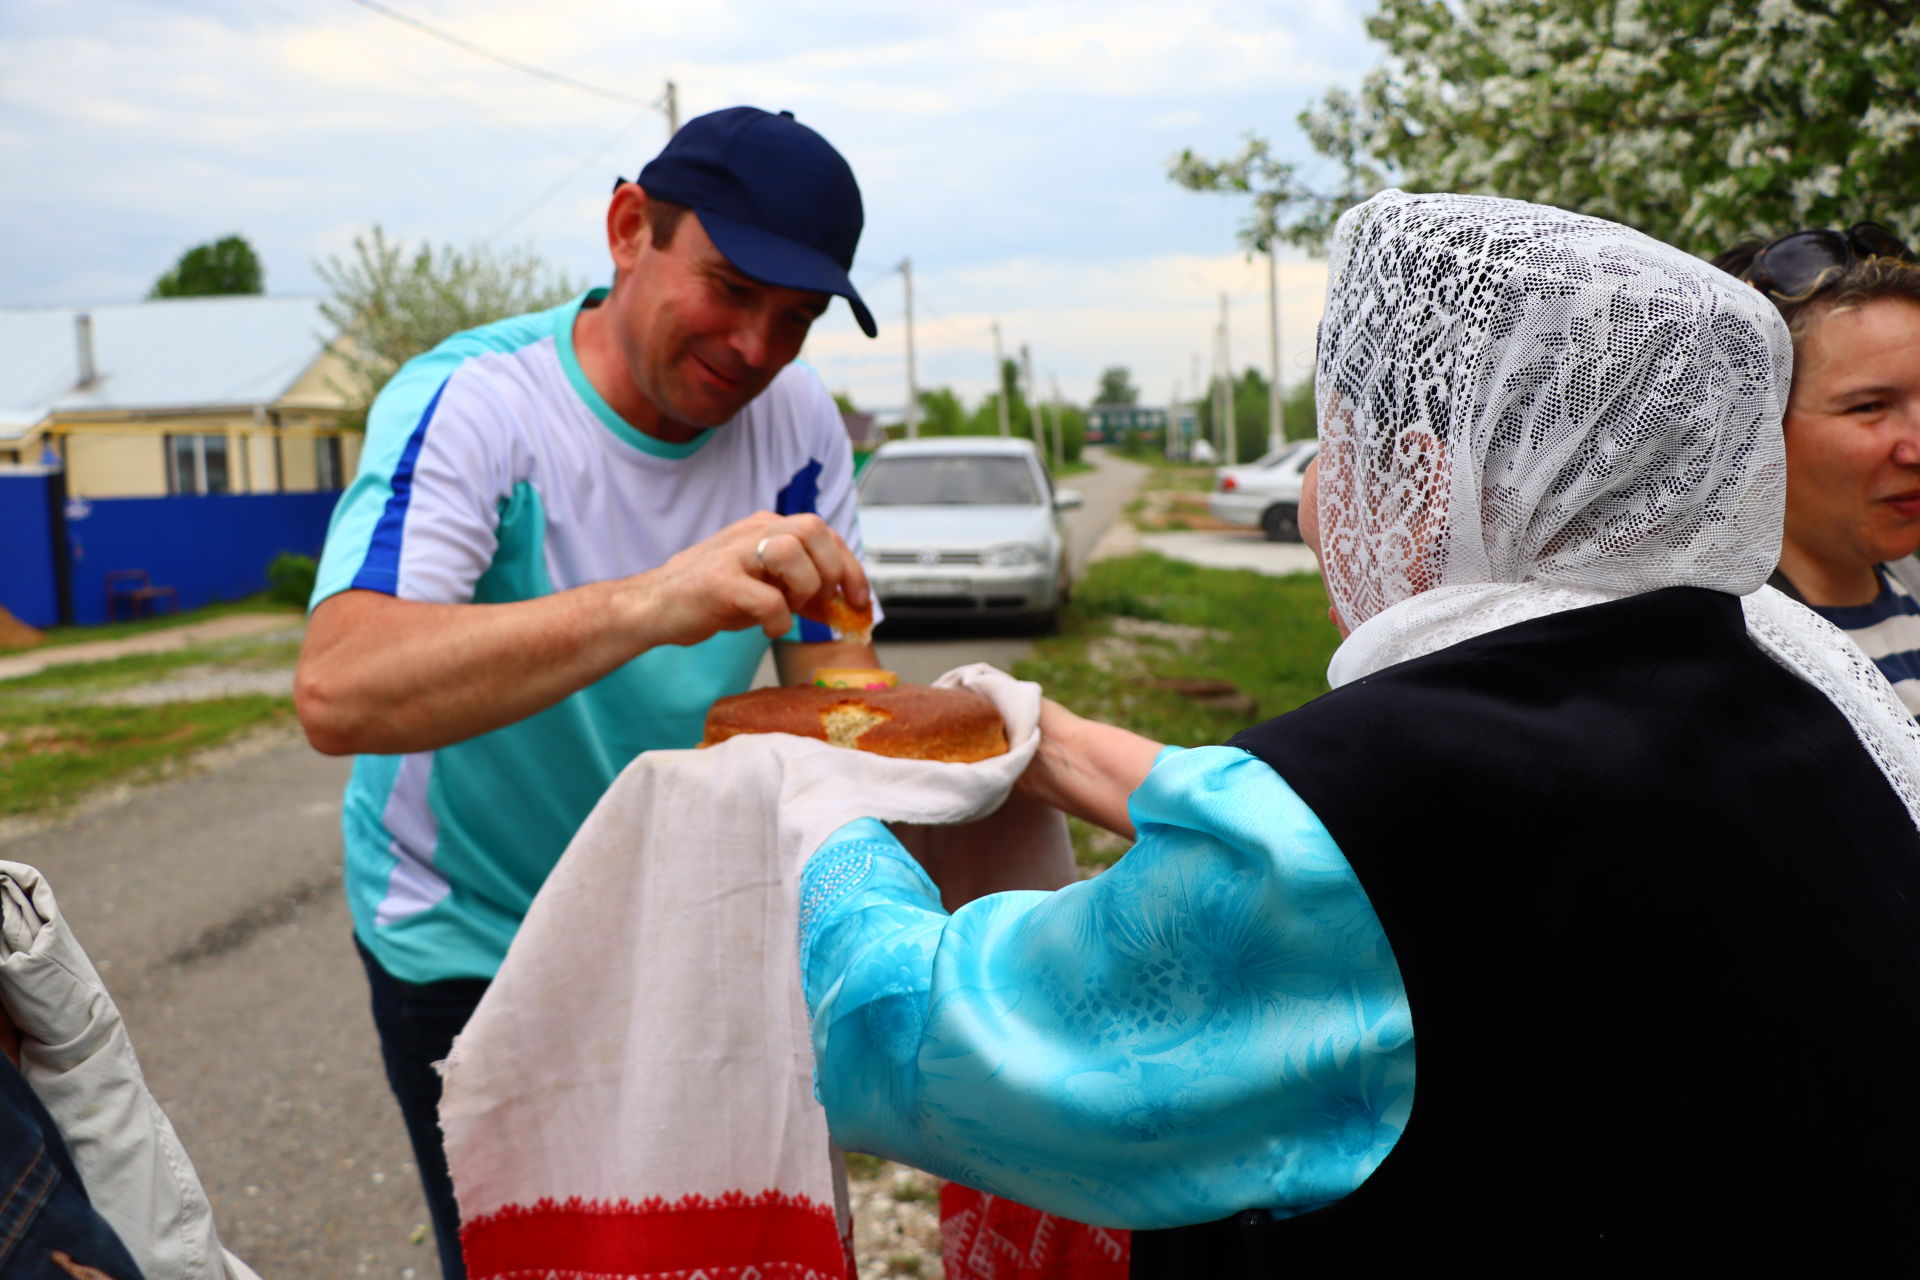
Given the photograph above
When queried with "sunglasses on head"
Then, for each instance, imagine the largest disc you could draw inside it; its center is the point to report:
(1795, 267)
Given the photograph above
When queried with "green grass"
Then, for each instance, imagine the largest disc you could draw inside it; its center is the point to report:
(57, 636)
(1189, 476)
(51, 755)
(55, 744)
(1268, 637)
(862, 1165)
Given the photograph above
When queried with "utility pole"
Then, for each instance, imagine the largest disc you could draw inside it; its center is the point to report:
(1173, 421)
(913, 388)
(1000, 383)
(673, 109)
(1232, 453)
(1276, 393)
(1222, 394)
(1059, 430)
(1039, 424)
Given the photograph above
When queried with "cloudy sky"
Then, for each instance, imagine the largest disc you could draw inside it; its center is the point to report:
(1016, 152)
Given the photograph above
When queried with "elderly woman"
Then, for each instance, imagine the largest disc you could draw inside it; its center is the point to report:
(1852, 301)
(1637, 860)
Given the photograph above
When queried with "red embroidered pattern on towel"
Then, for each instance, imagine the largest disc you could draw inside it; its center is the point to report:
(772, 1235)
(987, 1237)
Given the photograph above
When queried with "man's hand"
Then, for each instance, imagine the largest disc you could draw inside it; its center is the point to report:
(757, 572)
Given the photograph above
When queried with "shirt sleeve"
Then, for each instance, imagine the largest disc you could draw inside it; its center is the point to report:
(1214, 1024)
(421, 518)
(826, 485)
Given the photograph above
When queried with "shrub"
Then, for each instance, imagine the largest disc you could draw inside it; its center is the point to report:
(290, 578)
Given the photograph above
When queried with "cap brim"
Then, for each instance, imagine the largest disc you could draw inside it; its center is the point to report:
(775, 260)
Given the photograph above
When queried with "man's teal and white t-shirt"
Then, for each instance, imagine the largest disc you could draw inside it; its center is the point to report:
(494, 472)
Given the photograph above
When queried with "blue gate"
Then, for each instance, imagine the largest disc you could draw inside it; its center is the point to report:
(29, 589)
(206, 547)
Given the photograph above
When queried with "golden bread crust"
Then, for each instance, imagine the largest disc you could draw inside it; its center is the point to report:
(911, 721)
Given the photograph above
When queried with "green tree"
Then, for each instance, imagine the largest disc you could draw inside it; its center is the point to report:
(390, 302)
(941, 413)
(986, 418)
(1697, 122)
(1073, 432)
(1116, 386)
(224, 266)
(1250, 392)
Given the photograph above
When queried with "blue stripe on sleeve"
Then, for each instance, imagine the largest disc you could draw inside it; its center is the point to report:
(802, 494)
(380, 571)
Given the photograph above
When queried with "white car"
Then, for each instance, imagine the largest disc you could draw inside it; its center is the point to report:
(964, 527)
(1265, 494)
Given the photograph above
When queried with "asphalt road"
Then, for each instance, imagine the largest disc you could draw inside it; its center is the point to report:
(212, 907)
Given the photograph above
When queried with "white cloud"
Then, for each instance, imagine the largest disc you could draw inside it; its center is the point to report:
(1016, 151)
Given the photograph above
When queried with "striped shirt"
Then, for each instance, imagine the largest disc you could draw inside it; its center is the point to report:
(495, 472)
(1887, 629)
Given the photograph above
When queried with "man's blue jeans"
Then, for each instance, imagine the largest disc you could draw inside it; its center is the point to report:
(45, 1215)
(417, 1022)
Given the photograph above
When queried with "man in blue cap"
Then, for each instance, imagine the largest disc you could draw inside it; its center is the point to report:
(570, 533)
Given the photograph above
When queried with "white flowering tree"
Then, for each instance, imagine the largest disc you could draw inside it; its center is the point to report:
(1697, 121)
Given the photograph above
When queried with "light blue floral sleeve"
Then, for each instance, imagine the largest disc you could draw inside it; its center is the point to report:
(1214, 1024)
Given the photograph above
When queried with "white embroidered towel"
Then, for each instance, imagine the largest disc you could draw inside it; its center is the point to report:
(633, 1096)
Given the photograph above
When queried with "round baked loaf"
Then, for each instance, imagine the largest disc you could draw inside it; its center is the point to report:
(914, 721)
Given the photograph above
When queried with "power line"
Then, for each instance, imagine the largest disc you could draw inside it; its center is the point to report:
(656, 104)
(572, 174)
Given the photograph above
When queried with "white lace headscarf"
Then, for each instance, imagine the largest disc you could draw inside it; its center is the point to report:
(1524, 410)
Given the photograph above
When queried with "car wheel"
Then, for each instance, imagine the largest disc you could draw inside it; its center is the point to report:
(1281, 521)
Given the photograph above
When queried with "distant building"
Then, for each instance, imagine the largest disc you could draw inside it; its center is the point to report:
(180, 442)
(863, 429)
(176, 396)
(1119, 423)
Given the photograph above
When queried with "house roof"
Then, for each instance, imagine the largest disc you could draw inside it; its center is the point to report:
(167, 354)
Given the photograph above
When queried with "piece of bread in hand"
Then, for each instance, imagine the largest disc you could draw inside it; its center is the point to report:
(851, 623)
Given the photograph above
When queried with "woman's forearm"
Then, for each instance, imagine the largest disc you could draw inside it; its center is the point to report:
(1087, 768)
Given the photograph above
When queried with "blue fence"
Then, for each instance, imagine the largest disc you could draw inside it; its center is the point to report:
(206, 547)
(28, 588)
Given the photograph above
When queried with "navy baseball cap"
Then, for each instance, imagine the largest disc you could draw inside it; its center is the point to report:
(773, 195)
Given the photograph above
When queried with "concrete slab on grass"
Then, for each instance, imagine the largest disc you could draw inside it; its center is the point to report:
(1218, 550)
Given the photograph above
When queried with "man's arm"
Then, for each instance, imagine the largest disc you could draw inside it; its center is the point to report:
(380, 675)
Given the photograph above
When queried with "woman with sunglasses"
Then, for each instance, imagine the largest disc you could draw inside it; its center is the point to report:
(1852, 302)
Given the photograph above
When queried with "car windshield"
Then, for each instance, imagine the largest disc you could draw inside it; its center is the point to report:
(950, 480)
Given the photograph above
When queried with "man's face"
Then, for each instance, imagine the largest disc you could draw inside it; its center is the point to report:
(699, 338)
(1853, 436)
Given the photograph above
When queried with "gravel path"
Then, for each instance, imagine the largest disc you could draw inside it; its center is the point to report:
(193, 684)
(896, 1224)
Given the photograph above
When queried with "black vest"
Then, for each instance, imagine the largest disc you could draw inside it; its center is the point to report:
(1658, 914)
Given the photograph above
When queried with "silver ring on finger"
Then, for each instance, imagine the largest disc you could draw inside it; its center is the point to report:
(760, 553)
